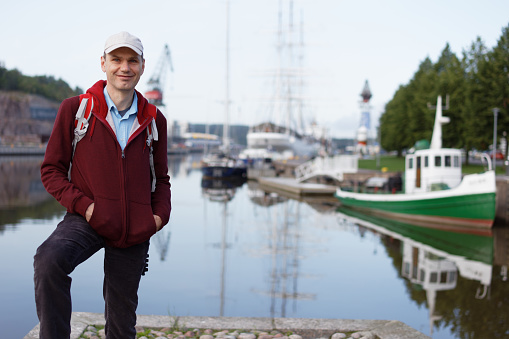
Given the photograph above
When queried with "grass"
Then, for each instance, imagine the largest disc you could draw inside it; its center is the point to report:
(397, 164)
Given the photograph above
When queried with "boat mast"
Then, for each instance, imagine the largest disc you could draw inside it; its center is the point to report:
(436, 138)
(289, 75)
(226, 136)
(300, 68)
(280, 63)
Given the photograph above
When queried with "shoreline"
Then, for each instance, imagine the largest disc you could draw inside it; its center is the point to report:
(306, 328)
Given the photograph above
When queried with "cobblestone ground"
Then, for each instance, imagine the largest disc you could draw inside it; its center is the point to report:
(92, 332)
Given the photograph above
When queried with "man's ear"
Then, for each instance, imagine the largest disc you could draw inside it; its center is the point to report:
(103, 66)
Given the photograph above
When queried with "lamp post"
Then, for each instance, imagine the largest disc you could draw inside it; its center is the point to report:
(495, 114)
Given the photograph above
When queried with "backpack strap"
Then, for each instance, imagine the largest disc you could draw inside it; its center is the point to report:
(81, 122)
(152, 136)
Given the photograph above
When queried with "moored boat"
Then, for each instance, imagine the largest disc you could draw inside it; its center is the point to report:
(223, 166)
(435, 190)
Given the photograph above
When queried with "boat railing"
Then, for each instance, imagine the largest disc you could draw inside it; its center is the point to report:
(486, 159)
(332, 167)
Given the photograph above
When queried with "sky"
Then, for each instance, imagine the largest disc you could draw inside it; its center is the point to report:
(345, 44)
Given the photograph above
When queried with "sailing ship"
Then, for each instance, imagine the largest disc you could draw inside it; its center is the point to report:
(435, 191)
(284, 134)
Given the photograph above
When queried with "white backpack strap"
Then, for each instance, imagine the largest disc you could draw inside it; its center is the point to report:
(152, 136)
(81, 123)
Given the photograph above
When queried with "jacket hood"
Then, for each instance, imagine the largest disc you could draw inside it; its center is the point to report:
(97, 92)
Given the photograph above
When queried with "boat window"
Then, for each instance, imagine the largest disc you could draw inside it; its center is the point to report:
(422, 275)
(447, 161)
(406, 269)
(456, 161)
(452, 276)
(410, 163)
(443, 277)
(433, 277)
(438, 161)
(426, 161)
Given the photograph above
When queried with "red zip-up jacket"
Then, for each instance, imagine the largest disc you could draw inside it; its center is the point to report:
(117, 182)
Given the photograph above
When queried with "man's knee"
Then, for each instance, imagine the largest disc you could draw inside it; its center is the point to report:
(49, 258)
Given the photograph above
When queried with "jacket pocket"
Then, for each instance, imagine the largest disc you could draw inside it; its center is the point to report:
(107, 218)
(141, 223)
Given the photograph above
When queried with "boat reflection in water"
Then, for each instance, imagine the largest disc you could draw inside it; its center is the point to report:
(282, 230)
(262, 198)
(459, 276)
(222, 191)
(432, 262)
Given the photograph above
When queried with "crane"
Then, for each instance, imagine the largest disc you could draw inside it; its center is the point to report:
(156, 82)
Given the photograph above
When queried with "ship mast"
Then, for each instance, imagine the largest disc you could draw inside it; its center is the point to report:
(226, 124)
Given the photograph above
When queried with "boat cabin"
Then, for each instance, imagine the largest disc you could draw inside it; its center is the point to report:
(432, 170)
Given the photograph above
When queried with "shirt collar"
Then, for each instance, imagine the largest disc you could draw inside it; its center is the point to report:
(112, 108)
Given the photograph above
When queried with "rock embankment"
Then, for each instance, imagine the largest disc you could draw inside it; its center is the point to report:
(25, 119)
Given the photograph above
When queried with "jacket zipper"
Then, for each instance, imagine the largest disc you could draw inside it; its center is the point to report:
(123, 175)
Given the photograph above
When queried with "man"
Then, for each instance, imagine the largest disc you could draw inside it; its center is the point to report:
(109, 197)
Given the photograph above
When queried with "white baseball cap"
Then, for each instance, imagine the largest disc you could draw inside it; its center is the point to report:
(123, 39)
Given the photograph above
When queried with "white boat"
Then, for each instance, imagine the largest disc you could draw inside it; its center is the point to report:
(435, 193)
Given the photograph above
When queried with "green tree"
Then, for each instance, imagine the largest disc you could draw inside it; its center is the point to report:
(473, 59)
(497, 76)
(451, 84)
(390, 122)
(47, 86)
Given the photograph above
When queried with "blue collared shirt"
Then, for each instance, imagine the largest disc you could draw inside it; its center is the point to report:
(123, 124)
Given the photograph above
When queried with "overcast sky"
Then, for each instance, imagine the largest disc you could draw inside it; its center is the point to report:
(346, 43)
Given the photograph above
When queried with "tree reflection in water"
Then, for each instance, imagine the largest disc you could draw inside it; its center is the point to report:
(22, 194)
(461, 278)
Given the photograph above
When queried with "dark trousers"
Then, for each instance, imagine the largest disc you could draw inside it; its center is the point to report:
(73, 242)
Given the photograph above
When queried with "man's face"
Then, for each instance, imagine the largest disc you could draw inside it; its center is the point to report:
(123, 68)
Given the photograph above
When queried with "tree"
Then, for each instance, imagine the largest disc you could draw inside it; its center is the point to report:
(497, 82)
(47, 86)
(473, 59)
(451, 83)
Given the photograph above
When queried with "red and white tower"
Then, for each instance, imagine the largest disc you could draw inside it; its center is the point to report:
(364, 126)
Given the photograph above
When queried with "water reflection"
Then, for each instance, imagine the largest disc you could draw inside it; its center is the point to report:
(283, 231)
(276, 255)
(222, 191)
(262, 198)
(22, 194)
(451, 273)
(460, 277)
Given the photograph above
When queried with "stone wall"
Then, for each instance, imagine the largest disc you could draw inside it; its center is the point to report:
(25, 119)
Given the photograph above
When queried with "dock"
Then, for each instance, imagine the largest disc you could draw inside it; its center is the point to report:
(292, 186)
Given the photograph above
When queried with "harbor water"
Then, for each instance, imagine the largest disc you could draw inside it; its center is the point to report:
(231, 249)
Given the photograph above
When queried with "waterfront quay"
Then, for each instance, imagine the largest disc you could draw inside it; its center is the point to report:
(247, 328)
